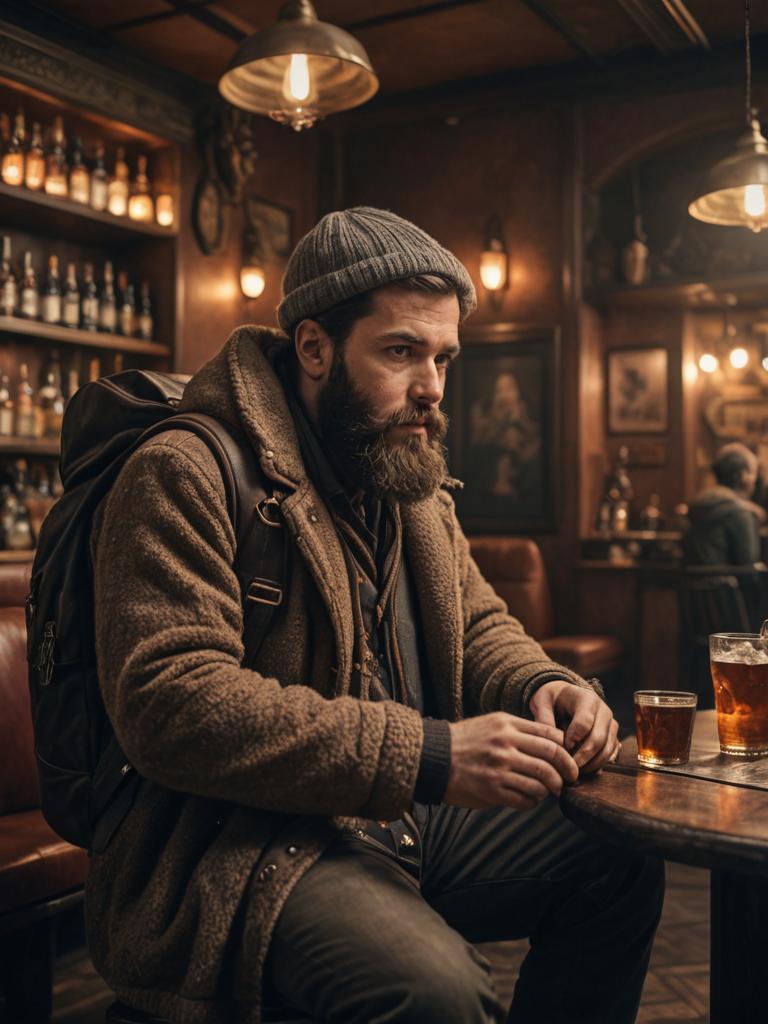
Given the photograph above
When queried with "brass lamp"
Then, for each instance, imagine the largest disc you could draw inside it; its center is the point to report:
(299, 69)
(734, 191)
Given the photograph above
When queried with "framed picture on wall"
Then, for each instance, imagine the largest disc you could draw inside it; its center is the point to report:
(271, 224)
(638, 391)
(503, 400)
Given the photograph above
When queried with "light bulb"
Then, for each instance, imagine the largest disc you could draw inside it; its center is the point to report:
(164, 209)
(708, 363)
(754, 200)
(252, 281)
(739, 358)
(299, 78)
(493, 269)
(764, 363)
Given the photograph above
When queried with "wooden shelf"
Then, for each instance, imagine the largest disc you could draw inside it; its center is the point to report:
(75, 336)
(30, 445)
(55, 215)
(717, 293)
(16, 556)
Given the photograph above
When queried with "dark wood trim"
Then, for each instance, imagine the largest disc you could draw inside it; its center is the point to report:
(210, 20)
(11, 325)
(687, 23)
(183, 7)
(407, 14)
(550, 17)
(100, 83)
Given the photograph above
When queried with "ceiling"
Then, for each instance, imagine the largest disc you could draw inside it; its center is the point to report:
(418, 44)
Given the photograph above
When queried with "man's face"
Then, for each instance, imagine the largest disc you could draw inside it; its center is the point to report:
(379, 409)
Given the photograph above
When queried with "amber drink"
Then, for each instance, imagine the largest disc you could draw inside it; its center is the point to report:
(739, 663)
(664, 724)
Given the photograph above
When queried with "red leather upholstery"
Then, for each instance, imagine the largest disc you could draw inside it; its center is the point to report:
(515, 569)
(35, 864)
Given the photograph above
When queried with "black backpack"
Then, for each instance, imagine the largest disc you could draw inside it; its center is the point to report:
(86, 782)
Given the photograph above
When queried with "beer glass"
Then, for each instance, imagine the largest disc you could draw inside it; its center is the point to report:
(664, 725)
(739, 663)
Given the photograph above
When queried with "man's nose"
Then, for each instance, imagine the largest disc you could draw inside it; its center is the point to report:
(427, 387)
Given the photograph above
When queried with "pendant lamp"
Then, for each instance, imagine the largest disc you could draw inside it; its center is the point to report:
(299, 69)
(735, 190)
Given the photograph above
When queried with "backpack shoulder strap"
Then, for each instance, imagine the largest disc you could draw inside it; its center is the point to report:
(261, 553)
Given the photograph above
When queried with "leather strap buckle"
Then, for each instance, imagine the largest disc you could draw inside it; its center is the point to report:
(263, 512)
(264, 592)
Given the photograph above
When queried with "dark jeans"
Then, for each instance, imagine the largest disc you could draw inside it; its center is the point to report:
(363, 939)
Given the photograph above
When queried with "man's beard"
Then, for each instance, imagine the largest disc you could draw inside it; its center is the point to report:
(406, 470)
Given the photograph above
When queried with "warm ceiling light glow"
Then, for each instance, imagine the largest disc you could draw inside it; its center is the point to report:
(708, 363)
(298, 77)
(252, 281)
(739, 358)
(764, 363)
(493, 269)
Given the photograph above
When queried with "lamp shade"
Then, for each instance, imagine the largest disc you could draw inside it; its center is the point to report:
(299, 69)
(735, 190)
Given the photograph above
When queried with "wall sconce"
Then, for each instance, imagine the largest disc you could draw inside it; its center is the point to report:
(164, 210)
(493, 262)
(253, 280)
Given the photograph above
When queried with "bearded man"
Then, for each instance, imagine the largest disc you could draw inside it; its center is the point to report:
(330, 828)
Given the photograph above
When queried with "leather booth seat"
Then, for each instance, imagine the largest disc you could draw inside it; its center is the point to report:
(40, 874)
(515, 569)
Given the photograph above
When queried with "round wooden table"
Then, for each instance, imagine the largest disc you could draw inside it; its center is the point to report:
(708, 823)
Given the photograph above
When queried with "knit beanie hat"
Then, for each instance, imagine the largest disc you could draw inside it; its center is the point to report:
(356, 250)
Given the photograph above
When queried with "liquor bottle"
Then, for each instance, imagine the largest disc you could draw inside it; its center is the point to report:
(127, 311)
(5, 132)
(6, 407)
(27, 423)
(90, 301)
(51, 406)
(79, 176)
(19, 535)
(119, 363)
(56, 162)
(71, 302)
(52, 293)
(145, 323)
(30, 299)
(94, 369)
(73, 383)
(34, 171)
(52, 365)
(117, 189)
(99, 181)
(140, 205)
(107, 303)
(12, 166)
(9, 291)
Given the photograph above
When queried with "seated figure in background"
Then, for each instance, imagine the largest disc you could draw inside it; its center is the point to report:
(724, 523)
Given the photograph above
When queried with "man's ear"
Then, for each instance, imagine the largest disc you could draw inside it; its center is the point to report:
(314, 350)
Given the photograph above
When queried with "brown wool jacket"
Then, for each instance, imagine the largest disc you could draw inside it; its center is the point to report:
(249, 774)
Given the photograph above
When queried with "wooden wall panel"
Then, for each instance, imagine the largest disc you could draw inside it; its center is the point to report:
(211, 303)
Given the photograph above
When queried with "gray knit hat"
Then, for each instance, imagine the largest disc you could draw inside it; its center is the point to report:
(353, 251)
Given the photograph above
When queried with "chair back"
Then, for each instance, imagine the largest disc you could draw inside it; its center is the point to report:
(515, 569)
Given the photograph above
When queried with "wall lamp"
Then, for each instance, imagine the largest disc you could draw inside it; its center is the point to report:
(253, 280)
(494, 260)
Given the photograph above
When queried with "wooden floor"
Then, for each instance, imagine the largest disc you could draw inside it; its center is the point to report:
(677, 987)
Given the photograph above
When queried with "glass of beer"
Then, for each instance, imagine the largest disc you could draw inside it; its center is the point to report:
(739, 663)
(664, 725)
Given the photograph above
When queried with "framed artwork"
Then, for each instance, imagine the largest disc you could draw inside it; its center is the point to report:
(208, 215)
(271, 225)
(503, 400)
(638, 391)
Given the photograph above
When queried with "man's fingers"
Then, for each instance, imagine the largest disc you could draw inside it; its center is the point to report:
(549, 732)
(543, 711)
(549, 752)
(532, 789)
(608, 752)
(536, 768)
(582, 723)
(603, 725)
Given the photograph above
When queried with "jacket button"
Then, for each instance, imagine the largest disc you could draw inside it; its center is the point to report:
(266, 872)
(269, 453)
(313, 518)
(407, 840)
(292, 851)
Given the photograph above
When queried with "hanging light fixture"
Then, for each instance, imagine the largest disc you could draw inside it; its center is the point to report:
(299, 69)
(735, 191)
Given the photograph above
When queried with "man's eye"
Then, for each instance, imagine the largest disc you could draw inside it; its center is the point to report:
(400, 351)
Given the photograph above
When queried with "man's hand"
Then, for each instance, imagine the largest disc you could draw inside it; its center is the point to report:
(592, 732)
(499, 760)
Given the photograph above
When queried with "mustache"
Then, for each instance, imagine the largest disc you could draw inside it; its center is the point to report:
(435, 421)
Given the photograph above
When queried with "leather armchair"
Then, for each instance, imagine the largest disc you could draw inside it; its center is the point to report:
(515, 569)
(40, 874)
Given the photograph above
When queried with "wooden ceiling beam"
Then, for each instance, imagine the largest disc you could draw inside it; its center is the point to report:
(208, 18)
(406, 13)
(663, 22)
(545, 12)
(148, 19)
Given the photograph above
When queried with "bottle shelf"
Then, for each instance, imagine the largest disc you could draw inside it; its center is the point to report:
(16, 556)
(747, 289)
(29, 446)
(24, 208)
(77, 336)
